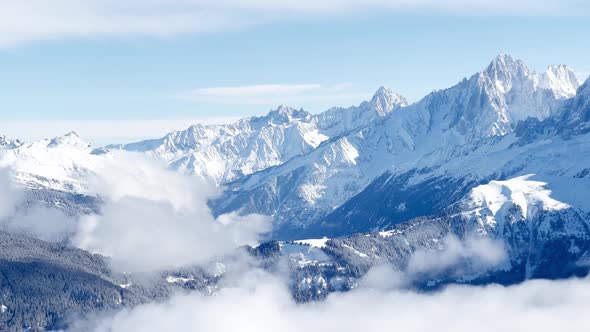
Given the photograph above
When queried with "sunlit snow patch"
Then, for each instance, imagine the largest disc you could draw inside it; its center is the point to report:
(317, 243)
(531, 196)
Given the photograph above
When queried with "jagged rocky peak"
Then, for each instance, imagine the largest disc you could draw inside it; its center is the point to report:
(190, 138)
(192, 133)
(71, 139)
(185, 138)
(4, 141)
(8, 143)
(285, 114)
(504, 70)
(385, 100)
(505, 64)
(561, 79)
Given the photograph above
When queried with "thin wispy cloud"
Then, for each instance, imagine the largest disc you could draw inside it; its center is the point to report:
(254, 90)
(272, 94)
(32, 20)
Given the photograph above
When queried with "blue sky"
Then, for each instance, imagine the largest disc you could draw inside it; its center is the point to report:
(120, 82)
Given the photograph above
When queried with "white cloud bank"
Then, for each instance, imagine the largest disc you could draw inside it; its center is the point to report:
(25, 21)
(266, 305)
(40, 222)
(482, 253)
(454, 258)
(154, 218)
(151, 218)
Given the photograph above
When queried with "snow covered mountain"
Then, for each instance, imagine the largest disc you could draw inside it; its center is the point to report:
(56, 170)
(555, 150)
(7, 143)
(501, 158)
(362, 168)
(476, 112)
(223, 153)
(58, 163)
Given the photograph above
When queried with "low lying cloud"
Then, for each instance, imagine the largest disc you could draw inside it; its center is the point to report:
(454, 258)
(384, 277)
(154, 218)
(43, 223)
(142, 235)
(37, 221)
(151, 218)
(32, 20)
(124, 174)
(266, 305)
(480, 253)
(9, 194)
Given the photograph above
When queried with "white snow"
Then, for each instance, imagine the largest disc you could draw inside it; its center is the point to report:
(536, 196)
(441, 128)
(311, 192)
(387, 234)
(59, 163)
(529, 195)
(3, 308)
(314, 137)
(316, 243)
(349, 152)
(222, 153)
(363, 255)
(173, 280)
(334, 155)
(305, 252)
(217, 269)
(560, 79)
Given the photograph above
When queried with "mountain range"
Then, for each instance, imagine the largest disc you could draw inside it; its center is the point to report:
(503, 155)
(360, 168)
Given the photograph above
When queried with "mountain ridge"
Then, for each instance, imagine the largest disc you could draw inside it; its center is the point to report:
(214, 152)
(301, 167)
(499, 160)
(472, 112)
